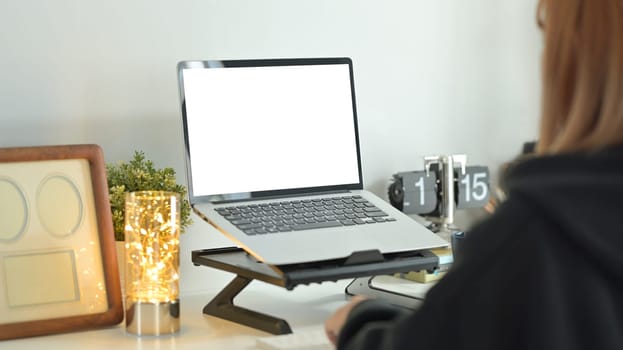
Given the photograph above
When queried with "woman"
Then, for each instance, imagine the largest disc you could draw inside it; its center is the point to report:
(546, 270)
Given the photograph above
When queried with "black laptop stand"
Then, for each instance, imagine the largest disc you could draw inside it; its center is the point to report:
(247, 268)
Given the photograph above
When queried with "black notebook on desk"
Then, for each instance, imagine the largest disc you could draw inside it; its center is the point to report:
(273, 161)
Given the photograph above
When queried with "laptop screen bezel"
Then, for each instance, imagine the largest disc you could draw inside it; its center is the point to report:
(242, 196)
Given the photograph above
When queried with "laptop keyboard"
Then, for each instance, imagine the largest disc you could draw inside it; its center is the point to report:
(306, 214)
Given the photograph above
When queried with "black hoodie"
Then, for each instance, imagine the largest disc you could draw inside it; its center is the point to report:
(544, 272)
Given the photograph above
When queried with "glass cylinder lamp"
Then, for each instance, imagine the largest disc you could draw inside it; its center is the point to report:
(152, 229)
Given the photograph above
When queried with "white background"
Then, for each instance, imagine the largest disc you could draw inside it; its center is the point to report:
(431, 77)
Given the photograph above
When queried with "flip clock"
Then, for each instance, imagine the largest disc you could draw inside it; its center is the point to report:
(444, 185)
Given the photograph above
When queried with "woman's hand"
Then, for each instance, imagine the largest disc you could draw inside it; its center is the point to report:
(333, 325)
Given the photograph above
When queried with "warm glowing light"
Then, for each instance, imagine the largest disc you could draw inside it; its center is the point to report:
(152, 227)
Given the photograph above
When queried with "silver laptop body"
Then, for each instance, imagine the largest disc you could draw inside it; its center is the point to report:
(274, 130)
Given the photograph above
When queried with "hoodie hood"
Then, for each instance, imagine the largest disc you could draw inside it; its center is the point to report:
(583, 194)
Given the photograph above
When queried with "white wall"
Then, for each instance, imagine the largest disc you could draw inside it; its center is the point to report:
(432, 77)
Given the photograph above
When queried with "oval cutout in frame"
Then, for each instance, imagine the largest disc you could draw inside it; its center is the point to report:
(13, 211)
(59, 206)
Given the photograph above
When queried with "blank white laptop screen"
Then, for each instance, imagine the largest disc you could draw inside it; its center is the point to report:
(270, 128)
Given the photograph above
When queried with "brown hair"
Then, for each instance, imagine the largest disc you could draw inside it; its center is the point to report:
(582, 107)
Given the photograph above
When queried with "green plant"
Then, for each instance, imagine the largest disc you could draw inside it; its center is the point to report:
(139, 174)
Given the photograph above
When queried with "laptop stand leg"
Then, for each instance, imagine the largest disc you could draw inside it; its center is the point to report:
(222, 306)
(364, 286)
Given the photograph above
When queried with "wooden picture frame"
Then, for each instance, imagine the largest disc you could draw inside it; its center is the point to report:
(58, 263)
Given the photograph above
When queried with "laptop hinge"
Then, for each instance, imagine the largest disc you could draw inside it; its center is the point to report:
(279, 196)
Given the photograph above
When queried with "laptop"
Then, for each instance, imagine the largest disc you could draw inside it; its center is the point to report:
(278, 137)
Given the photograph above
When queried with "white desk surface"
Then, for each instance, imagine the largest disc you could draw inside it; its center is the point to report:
(304, 308)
